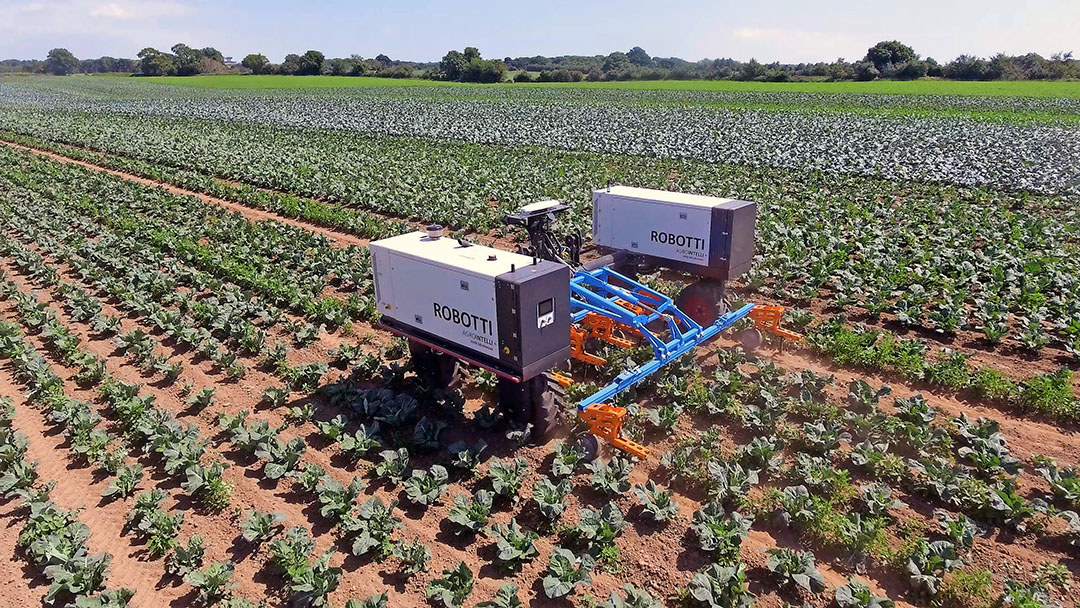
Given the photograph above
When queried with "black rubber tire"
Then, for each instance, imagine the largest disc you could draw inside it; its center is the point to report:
(440, 369)
(548, 403)
(515, 401)
(538, 402)
(702, 301)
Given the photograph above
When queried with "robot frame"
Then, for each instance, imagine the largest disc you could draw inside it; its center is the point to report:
(522, 315)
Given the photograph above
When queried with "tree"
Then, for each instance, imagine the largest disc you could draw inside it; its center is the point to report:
(886, 53)
(470, 66)
(291, 65)
(753, 70)
(311, 63)
(865, 70)
(257, 63)
(639, 57)
(908, 70)
(345, 66)
(212, 53)
(188, 60)
(155, 63)
(61, 62)
(484, 70)
(967, 67)
(615, 62)
(453, 65)
(933, 68)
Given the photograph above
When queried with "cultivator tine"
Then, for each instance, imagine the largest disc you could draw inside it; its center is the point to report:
(606, 421)
(767, 318)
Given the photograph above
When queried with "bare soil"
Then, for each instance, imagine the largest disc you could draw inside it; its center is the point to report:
(660, 558)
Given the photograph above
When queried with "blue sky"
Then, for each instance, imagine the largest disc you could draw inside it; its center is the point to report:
(779, 30)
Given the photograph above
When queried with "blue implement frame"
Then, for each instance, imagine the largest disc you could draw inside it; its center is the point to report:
(592, 291)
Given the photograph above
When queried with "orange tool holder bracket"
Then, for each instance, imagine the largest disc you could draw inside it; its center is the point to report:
(767, 318)
(606, 421)
(577, 347)
(602, 327)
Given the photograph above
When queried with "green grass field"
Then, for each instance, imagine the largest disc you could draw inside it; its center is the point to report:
(917, 87)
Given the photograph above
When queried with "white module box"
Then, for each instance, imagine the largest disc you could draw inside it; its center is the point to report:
(706, 235)
(499, 309)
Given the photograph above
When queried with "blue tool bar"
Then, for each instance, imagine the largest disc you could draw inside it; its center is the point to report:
(591, 291)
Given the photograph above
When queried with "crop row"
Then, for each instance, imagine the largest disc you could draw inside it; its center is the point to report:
(993, 315)
(178, 450)
(214, 322)
(788, 435)
(1037, 157)
(57, 92)
(876, 246)
(287, 266)
(52, 538)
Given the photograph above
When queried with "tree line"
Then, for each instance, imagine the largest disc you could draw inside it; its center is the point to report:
(890, 60)
(885, 60)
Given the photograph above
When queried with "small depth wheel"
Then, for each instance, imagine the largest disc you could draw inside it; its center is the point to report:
(750, 340)
(702, 301)
(440, 369)
(590, 445)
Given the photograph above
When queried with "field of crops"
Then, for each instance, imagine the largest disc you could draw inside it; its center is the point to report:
(197, 408)
(1056, 89)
